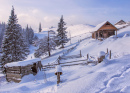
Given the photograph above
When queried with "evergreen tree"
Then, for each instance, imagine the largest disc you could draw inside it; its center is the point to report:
(29, 35)
(40, 28)
(61, 37)
(2, 30)
(14, 47)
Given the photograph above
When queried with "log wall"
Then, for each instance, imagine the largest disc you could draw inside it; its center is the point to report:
(16, 73)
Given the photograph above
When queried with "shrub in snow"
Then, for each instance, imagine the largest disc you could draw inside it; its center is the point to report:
(45, 47)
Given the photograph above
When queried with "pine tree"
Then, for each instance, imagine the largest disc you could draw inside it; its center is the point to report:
(29, 35)
(40, 28)
(61, 37)
(2, 30)
(14, 47)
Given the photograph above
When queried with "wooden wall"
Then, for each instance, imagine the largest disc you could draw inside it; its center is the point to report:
(16, 73)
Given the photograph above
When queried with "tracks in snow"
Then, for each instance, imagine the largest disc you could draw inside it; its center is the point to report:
(115, 81)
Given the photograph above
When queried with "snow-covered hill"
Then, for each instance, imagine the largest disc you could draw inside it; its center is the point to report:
(74, 30)
(109, 76)
(79, 29)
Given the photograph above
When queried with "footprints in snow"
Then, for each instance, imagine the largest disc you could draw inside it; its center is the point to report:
(117, 82)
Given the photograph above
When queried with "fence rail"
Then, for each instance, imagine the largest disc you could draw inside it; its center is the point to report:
(71, 63)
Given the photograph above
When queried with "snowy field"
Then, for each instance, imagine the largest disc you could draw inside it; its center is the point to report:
(110, 76)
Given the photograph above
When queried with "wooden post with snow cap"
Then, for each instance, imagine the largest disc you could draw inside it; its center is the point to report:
(58, 72)
(110, 55)
(101, 56)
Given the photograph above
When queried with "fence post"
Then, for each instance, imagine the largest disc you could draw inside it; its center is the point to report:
(110, 55)
(59, 60)
(107, 50)
(58, 77)
(87, 56)
(80, 54)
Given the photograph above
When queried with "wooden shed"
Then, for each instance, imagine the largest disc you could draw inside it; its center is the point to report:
(16, 70)
(104, 30)
(121, 22)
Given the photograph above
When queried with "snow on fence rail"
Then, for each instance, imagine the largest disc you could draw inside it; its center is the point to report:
(71, 57)
(68, 51)
(100, 58)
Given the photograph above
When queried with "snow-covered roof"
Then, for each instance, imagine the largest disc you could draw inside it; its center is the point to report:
(98, 26)
(22, 63)
(120, 26)
(120, 22)
(101, 53)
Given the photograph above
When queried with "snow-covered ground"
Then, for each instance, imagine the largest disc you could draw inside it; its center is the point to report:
(110, 76)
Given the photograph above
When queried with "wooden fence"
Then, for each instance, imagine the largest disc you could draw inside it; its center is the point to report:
(77, 62)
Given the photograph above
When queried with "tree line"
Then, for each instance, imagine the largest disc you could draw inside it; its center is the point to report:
(15, 41)
(47, 44)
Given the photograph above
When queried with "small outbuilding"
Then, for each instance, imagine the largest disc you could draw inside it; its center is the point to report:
(104, 30)
(16, 70)
(121, 22)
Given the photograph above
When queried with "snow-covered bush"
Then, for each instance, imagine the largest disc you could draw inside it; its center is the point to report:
(45, 47)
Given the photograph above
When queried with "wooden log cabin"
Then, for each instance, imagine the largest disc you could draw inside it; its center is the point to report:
(104, 30)
(16, 70)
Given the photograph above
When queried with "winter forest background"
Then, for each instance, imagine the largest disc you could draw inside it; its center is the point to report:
(15, 40)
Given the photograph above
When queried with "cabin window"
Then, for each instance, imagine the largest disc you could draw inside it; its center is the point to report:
(111, 33)
(107, 24)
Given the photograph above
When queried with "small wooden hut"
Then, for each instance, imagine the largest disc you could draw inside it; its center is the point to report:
(104, 30)
(16, 70)
(121, 22)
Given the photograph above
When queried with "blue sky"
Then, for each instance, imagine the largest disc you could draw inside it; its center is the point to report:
(48, 12)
